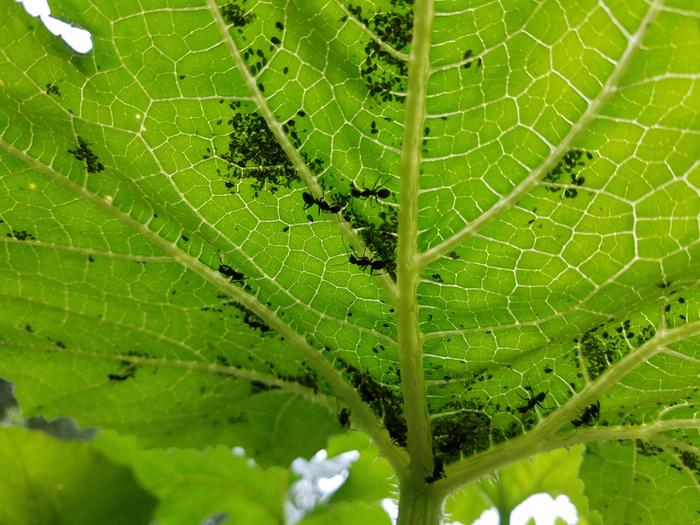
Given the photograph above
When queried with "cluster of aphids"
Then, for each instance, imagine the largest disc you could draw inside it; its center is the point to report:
(371, 233)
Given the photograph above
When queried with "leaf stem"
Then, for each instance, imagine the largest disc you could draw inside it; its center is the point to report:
(647, 431)
(419, 504)
(409, 337)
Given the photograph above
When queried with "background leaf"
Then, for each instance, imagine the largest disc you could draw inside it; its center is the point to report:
(555, 472)
(348, 513)
(191, 484)
(371, 478)
(46, 480)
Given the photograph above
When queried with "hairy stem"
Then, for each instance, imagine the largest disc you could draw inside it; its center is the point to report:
(410, 342)
(419, 505)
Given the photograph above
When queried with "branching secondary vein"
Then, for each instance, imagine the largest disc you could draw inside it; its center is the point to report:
(591, 112)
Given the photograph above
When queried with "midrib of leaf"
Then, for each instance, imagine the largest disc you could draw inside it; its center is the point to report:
(409, 336)
(291, 152)
(363, 417)
(646, 432)
(590, 114)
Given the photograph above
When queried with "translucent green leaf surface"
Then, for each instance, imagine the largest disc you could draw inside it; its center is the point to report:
(643, 482)
(470, 231)
(46, 480)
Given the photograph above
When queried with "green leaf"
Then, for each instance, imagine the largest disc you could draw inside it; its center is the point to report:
(191, 484)
(555, 472)
(371, 478)
(469, 231)
(348, 514)
(46, 480)
(642, 482)
(467, 504)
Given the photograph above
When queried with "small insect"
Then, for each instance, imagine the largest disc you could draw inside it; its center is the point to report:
(365, 262)
(533, 401)
(366, 193)
(310, 200)
(227, 271)
(590, 413)
(438, 472)
(344, 418)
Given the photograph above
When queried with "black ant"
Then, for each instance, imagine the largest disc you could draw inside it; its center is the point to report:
(590, 413)
(310, 200)
(533, 401)
(373, 192)
(365, 262)
(438, 472)
(227, 271)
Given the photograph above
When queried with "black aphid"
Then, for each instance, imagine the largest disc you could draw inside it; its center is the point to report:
(344, 418)
(590, 414)
(438, 472)
(84, 153)
(128, 370)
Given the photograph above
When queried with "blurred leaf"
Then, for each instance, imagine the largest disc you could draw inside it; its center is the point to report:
(467, 504)
(554, 472)
(194, 484)
(48, 481)
(371, 478)
(347, 513)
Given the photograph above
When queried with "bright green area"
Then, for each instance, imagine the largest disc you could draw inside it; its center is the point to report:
(163, 275)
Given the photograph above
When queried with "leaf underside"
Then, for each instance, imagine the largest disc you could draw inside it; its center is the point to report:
(199, 226)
